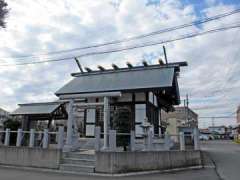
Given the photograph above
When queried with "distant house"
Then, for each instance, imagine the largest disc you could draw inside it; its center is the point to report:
(235, 132)
(221, 130)
(218, 132)
(205, 134)
(4, 115)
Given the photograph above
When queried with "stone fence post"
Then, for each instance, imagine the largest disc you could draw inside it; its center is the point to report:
(149, 140)
(7, 137)
(97, 134)
(45, 139)
(182, 141)
(19, 137)
(32, 138)
(60, 137)
(196, 139)
(166, 141)
(132, 141)
(112, 140)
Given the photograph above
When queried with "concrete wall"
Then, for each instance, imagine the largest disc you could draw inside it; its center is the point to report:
(30, 157)
(119, 162)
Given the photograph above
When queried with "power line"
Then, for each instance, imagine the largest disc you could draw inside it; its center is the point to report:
(193, 23)
(150, 43)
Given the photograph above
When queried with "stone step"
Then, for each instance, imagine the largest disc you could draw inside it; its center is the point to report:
(79, 155)
(77, 168)
(76, 161)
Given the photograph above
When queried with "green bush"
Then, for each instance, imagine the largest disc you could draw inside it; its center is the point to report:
(13, 126)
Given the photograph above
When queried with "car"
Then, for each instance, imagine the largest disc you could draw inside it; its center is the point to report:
(204, 137)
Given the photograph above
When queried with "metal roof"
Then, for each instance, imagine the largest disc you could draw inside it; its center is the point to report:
(36, 108)
(127, 79)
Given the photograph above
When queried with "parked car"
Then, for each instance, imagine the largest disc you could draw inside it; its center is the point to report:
(204, 137)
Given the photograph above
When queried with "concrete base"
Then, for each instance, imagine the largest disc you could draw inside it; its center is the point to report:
(30, 157)
(122, 162)
(101, 174)
(67, 148)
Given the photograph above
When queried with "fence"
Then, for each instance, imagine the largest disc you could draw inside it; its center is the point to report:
(32, 138)
(149, 141)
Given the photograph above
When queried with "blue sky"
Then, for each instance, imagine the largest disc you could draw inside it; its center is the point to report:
(37, 26)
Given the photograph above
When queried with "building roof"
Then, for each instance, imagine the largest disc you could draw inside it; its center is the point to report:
(217, 127)
(36, 108)
(3, 110)
(123, 79)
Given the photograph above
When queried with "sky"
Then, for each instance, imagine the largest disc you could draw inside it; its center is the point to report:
(35, 27)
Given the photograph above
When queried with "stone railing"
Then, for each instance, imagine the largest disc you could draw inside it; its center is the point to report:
(148, 142)
(43, 139)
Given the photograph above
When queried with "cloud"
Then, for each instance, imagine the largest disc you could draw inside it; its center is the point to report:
(40, 26)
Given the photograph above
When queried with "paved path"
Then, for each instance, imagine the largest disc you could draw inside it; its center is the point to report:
(203, 174)
(226, 156)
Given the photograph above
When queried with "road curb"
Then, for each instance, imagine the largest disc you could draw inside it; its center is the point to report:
(207, 162)
(102, 174)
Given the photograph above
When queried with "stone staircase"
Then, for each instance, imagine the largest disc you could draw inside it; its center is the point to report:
(78, 162)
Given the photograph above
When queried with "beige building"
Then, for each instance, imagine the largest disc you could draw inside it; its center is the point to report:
(182, 117)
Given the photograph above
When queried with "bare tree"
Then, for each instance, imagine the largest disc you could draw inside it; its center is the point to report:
(3, 13)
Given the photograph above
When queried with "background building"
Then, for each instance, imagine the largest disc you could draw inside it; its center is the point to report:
(238, 115)
(181, 118)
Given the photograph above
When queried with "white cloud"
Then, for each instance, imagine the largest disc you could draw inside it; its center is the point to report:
(38, 26)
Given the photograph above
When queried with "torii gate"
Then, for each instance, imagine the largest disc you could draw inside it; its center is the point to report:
(71, 125)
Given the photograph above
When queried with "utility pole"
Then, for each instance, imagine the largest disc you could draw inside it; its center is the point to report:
(213, 123)
(185, 112)
(187, 102)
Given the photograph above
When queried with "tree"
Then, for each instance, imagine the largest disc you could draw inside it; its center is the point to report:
(3, 13)
(13, 125)
(121, 123)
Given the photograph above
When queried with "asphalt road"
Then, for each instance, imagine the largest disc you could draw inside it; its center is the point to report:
(226, 156)
(12, 174)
